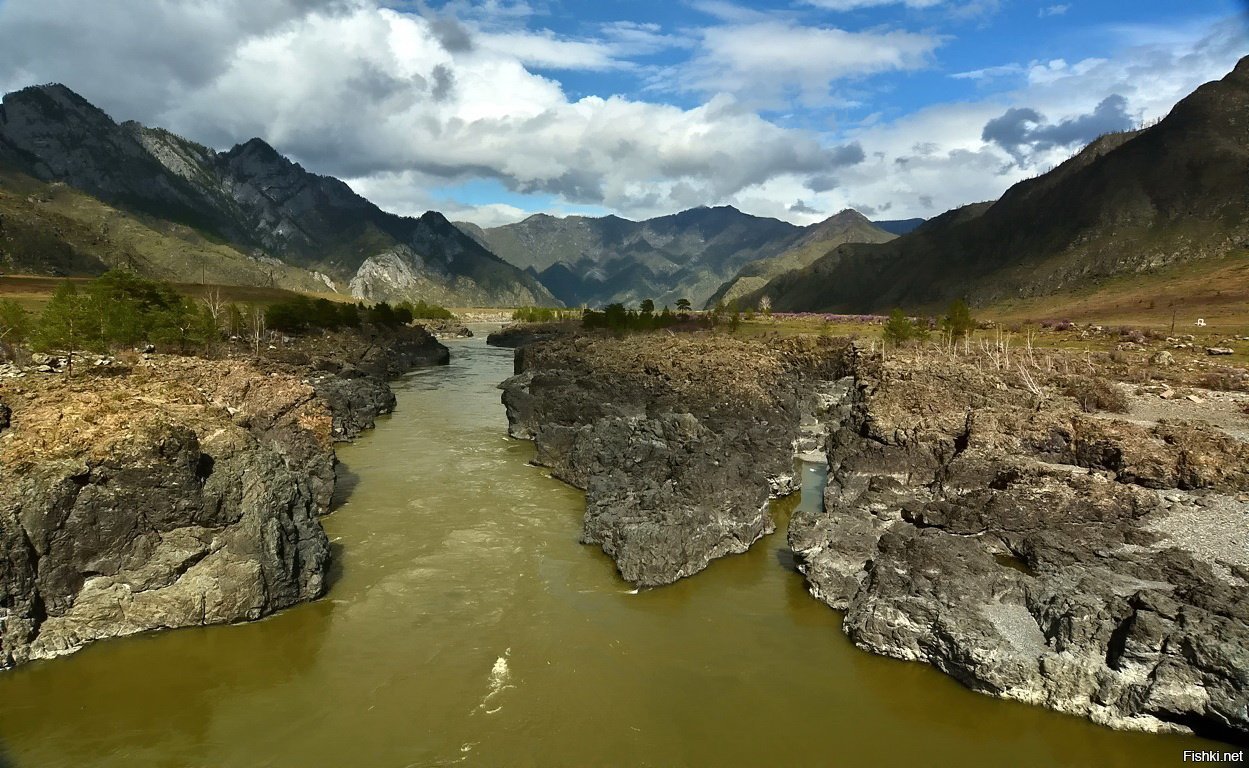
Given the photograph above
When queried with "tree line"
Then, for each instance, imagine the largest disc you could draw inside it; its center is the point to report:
(956, 323)
(120, 310)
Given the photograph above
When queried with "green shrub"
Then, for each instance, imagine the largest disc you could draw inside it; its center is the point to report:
(420, 310)
(118, 310)
(958, 321)
(900, 329)
(15, 322)
(617, 317)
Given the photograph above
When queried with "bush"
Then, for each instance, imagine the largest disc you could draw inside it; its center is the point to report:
(14, 322)
(1094, 393)
(958, 321)
(900, 329)
(1226, 380)
(616, 317)
(547, 314)
(423, 311)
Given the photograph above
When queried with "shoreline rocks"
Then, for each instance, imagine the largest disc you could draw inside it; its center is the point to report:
(178, 492)
(1029, 549)
(677, 464)
(518, 335)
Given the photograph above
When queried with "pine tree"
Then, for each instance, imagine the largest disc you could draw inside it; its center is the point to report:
(14, 322)
(69, 323)
(958, 321)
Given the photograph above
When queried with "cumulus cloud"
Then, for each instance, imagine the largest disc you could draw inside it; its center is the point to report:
(358, 91)
(405, 101)
(1022, 131)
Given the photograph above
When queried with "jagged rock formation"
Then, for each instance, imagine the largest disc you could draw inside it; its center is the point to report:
(849, 226)
(1129, 203)
(1034, 552)
(181, 493)
(258, 201)
(678, 452)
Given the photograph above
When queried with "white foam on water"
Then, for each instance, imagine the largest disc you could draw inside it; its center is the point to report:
(499, 681)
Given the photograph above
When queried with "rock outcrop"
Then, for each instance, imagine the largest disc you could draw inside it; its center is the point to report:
(179, 492)
(149, 502)
(978, 521)
(517, 335)
(678, 441)
(976, 517)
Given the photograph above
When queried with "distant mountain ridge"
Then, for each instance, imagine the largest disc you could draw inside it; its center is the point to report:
(1128, 203)
(848, 226)
(899, 226)
(257, 201)
(694, 254)
(597, 261)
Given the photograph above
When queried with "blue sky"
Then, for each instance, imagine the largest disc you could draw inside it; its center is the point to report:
(494, 109)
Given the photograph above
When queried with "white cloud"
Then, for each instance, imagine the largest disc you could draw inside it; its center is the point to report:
(406, 104)
(769, 62)
(1053, 10)
(937, 158)
(361, 92)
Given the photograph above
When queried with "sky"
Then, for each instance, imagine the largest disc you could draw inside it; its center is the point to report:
(492, 110)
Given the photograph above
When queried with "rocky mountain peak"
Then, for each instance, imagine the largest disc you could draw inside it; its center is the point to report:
(846, 217)
(255, 151)
(40, 105)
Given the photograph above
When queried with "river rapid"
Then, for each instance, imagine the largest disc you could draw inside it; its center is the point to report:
(466, 625)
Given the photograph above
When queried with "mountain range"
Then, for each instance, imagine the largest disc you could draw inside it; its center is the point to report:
(1128, 203)
(703, 254)
(80, 193)
(282, 223)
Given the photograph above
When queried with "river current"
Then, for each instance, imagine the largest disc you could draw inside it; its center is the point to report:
(466, 625)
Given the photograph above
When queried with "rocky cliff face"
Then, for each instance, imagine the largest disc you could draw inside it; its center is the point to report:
(678, 452)
(252, 197)
(178, 492)
(145, 503)
(1085, 563)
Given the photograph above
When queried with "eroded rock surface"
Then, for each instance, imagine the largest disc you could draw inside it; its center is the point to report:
(178, 492)
(1035, 552)
(975, 518)
(678, 441)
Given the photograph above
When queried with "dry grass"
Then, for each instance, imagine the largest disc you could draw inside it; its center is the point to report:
(1094, 393)
(1226, 380)
(1216, 290)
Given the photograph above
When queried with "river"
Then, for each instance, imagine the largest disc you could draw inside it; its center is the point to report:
(467, 626)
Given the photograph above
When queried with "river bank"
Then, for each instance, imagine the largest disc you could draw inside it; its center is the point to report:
(451, 552)
(154, 491)
(976, 517)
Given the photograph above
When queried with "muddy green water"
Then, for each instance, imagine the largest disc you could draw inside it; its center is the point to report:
(466, 625)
